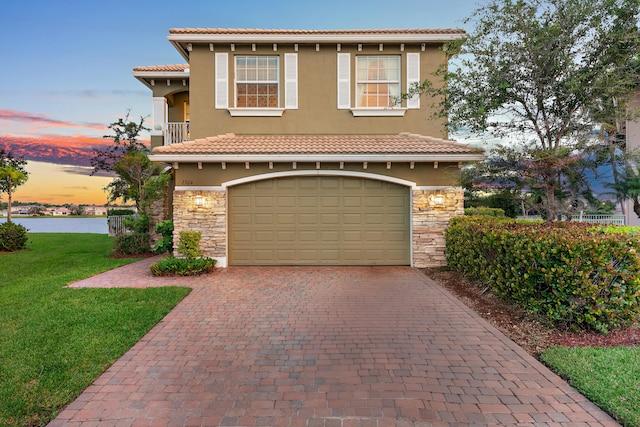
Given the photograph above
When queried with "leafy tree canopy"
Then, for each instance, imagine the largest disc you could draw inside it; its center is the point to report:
(542, 73)
(125, 140)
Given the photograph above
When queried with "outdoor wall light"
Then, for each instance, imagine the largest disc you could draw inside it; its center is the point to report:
(199, 201)
(436, 200)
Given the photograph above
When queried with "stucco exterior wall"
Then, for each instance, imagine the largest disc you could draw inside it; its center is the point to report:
(422, 174)
(317, 111)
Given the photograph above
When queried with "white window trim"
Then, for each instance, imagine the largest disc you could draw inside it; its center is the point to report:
(235, 83)
(256, 112)
(378, 112)
(396, 82)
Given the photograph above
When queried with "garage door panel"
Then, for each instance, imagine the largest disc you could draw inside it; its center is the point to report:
(263, 236)
(319, 220)
(285, 202)
(329, 183)
(352, 201)
(397, 219)
(395, 201)
(285, 219)
(374, 219)
(240, 201)
(307, 218)
(263, 218)
(329, 201)
(332, 219)
(308, 236)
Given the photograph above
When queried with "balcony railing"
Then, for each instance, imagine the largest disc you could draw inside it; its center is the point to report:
(176, 132)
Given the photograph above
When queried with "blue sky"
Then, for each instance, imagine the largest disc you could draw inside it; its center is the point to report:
(67, 64)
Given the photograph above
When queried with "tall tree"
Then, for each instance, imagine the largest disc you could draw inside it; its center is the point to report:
(12, 175)
(125, 136)
(543, 73)
(137, 178)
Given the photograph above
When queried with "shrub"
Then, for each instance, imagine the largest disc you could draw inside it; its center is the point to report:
(574, 274)
(484, 211)
(172, 266)
(132, 244)
(191, 265)
(165, 228)
(13, 237)
(189, 244)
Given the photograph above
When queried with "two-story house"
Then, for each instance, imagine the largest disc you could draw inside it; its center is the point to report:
(295, 147)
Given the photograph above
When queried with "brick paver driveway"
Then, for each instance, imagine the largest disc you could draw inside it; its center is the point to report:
(324, 346)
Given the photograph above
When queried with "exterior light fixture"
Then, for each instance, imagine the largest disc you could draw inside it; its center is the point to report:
(199, 201)
(436, 200)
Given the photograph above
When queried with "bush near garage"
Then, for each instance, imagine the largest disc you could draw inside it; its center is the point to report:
(192, 263)
(577, 275)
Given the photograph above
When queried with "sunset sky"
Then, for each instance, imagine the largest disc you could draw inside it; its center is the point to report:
(67, 68)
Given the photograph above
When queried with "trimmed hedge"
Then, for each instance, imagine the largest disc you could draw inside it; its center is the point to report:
(480, 210)
(172, 266)
(577, 275)
(13, 237)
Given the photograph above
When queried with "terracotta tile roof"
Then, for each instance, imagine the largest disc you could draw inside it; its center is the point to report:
(314, 32)
(161, 68)
(403, 143)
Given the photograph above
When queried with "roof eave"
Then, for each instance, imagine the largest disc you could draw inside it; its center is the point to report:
(144, 76)
(177, 40)
(306, 158)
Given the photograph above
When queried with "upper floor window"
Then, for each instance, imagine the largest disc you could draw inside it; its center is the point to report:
(257, 81)
(377, 81)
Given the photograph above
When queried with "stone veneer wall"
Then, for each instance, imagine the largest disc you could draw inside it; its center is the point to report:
(429, 223)
(210, 220)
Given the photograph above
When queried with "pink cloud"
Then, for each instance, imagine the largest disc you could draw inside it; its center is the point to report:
(41, 120)
(65, 150)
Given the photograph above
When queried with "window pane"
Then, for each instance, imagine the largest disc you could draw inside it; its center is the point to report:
(378, 80)
(257, 81)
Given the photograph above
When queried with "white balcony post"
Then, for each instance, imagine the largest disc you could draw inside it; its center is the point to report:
(159, 115)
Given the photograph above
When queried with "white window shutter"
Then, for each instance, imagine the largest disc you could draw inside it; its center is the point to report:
(222, 80)
(344, 81)
(413, 78)
(291, 81)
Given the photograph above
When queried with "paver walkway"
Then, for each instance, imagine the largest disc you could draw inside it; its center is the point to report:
(322, 346)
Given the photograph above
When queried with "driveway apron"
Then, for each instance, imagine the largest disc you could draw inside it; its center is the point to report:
(322, 346)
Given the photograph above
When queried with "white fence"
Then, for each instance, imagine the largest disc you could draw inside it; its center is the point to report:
(599, 219)
(592, 219)
(176, 132)
(116, 225)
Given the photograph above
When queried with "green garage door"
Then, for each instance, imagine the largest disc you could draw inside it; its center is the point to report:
(319, 221)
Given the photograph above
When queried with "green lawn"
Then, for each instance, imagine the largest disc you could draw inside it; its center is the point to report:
(609, 377)
(55, 341)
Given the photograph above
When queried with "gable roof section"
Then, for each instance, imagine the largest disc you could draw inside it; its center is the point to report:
(182, 37)
(173, 71)
(398, 147)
